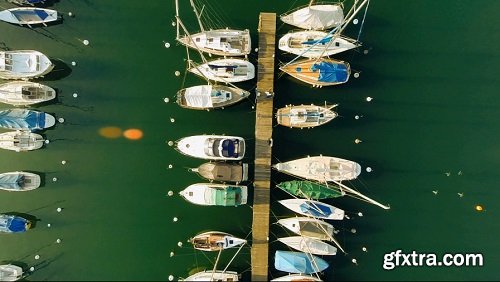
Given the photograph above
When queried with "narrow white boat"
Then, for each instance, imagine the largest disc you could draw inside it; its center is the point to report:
(212, 147)
(23, 64)
(313, 208)
(21, 141)
(19, 181)
(220, 42)
(205, 97)
(217, 275)
(315, 44)
(321, 168)
(297, 278)
(212, 194)
(309, 245)
(10, 272)
(25, 93)
(215, 241)
(317, 17)
(225, 70)
(28, 16)
(308, 227)
(305, 116)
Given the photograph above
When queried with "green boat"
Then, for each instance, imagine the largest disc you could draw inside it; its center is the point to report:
(311, 190)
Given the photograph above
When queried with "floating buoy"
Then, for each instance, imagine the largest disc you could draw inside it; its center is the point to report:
(60, 120)
(355, 21)
(356, 75)
(167, 45)
(86, 42)
(174, 24)
(369, 169)
(47, 141)
(357, 141)
(166, 100)
(73, 63)
(54, 179)
(58, 241)
(170, 166)
(365, 51)
(353, 230)
(37, 257)
(170, 278)
(177, 73)
(256, 50)
(356, 117)
(170, 143)
(170, 193)
(172, 254)
(479, 208)
(172, 119)
(70, 14)
(75, 95)
(32, 269)
(175, 219)
(63, 162)
(354, 261)
(48, 224)
(59, 209)
(360, 214)
(364, 249)
(179, 244)
(368, 99)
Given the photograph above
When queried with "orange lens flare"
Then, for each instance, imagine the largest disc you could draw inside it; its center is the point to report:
(111, 132)
(133, 134)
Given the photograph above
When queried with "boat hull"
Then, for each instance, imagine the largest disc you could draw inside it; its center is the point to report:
(28, 16)
(20, 141)
(211, 194)
(321, 168)
(24, 64)
(215, 241)
(205, 97)
(19, 181)
(225, 70)
(301, 44)
(220, 42)
(308, 227)
(21, 119)
(309, 245)
(25, 93)
(304, 116)
(211, 147)
(319, 72)
(217, 275)
(313, 208)
(10, 272)
(223, 172)
(296, 262)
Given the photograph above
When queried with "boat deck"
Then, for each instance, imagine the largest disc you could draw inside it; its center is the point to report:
(263, 144)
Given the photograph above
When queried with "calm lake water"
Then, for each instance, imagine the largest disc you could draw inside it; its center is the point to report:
(432, 70)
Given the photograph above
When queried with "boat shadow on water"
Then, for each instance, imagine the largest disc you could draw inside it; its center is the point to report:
(60, 71)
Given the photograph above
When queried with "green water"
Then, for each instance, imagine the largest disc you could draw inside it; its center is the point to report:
(431, 68)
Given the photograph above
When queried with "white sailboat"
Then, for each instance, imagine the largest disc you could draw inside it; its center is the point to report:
(25, 93)
(305, 116)
(23, 64)
(221, 42)
(316, 17)
(205, 97)
(321, 168)
(10, 272)
(215, 241)
(21, 141)
(309, 245)
(310, 228)
(313, 208)
(217, 275)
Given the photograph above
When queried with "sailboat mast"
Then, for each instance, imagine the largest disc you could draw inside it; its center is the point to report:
(362, 197)
(177, 17)
(310, 3)
(191, 39)
(197, 16)
(351, 15)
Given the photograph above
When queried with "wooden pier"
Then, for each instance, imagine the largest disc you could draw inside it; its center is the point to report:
(263, 145)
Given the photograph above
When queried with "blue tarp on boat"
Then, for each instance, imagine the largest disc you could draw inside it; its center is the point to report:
(315, 209)
(22, 119)
(296, 262)
(11, 181)
(322, 41)
(12, 224)
(331, 71)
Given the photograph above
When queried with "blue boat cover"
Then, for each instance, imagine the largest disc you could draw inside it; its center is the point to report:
(11, 181)
(12, 223)
(297, 262)
(22, 119)
(41, 13)
(228, 148)
(322, 41)
(315, 209)
(331, 72)
(30, 15)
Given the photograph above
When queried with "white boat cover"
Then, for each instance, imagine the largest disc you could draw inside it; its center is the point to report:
(316, 17)
(199, 96)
